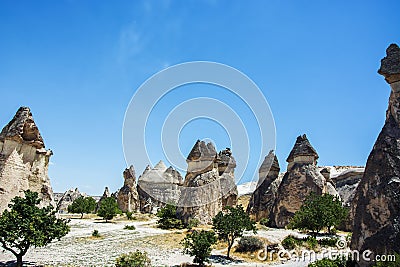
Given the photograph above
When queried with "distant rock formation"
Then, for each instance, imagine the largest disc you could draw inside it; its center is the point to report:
(158, 186)
(67, 198)
(127, 196)
(24, 161)
(105, 195)
(209, 183)
(346, 179)
(302, 178)
(263, 198)
(377, 215)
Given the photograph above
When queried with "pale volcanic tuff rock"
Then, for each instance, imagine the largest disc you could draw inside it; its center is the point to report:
(158, 186)
(263, 198)
(301, 178)
(127, 195)
(377, 214)
(209, 183)
(68, 198)
(24, 160)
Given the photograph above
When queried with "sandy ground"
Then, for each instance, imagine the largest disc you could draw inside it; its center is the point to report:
(78, 248)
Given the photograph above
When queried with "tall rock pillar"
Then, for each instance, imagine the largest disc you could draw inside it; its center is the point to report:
(377, 217)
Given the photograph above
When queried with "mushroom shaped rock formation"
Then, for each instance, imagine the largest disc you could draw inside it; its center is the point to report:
(377, 214)
(263, 198)
(209, 183)
(127, 195)
(24, 161)
(158, 186)
(301, 178)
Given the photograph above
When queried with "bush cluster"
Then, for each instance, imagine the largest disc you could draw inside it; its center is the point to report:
(290, 242)
(136, 259)
(249, 244)
(129, 227)
(129, 215)
(192, 223)
(168, 218)
(96, 233)
(328, 242)
(264, 221)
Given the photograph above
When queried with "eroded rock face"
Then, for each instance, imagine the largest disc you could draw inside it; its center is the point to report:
(24, 160)
(346, 179)
(377, 215)
(127, 196)
(67, 198)
(158, 186)
(301, 178)
(209, 183)
(263, 198)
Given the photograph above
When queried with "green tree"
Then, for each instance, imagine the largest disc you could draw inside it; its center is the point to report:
(26, 225)
(231, 223)
(108, 208)
(167, 218)
(318, 212)
(198, 244)
(82, 205)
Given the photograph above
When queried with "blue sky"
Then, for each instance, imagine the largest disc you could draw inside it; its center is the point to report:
(78, 63)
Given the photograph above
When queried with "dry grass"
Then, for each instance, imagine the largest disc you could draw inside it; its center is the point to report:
(165, 241)
(244, 201)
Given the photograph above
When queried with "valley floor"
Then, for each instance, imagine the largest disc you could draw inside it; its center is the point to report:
(79, 248)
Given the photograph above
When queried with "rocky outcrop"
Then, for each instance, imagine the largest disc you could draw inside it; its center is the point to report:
(127, 196)
(67, 198)
(158, 186)
(346, 180)
(209, 183)
(301, 178)
(24, 160)
(263, 198)
(377, 215)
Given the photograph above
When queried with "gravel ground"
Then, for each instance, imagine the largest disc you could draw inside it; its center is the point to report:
(78, 248)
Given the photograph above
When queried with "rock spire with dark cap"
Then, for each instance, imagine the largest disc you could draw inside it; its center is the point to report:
(302, 178)
(377, 216)
(302, 147)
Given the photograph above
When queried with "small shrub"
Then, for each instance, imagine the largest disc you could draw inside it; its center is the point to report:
(311, 242)
(136, 259)
(264, 221)
(193, 223)
(249, 244)
(329, 242)
(130, 227)
(325, 262)
(129, 215)
(290, 242)
(96, 233)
